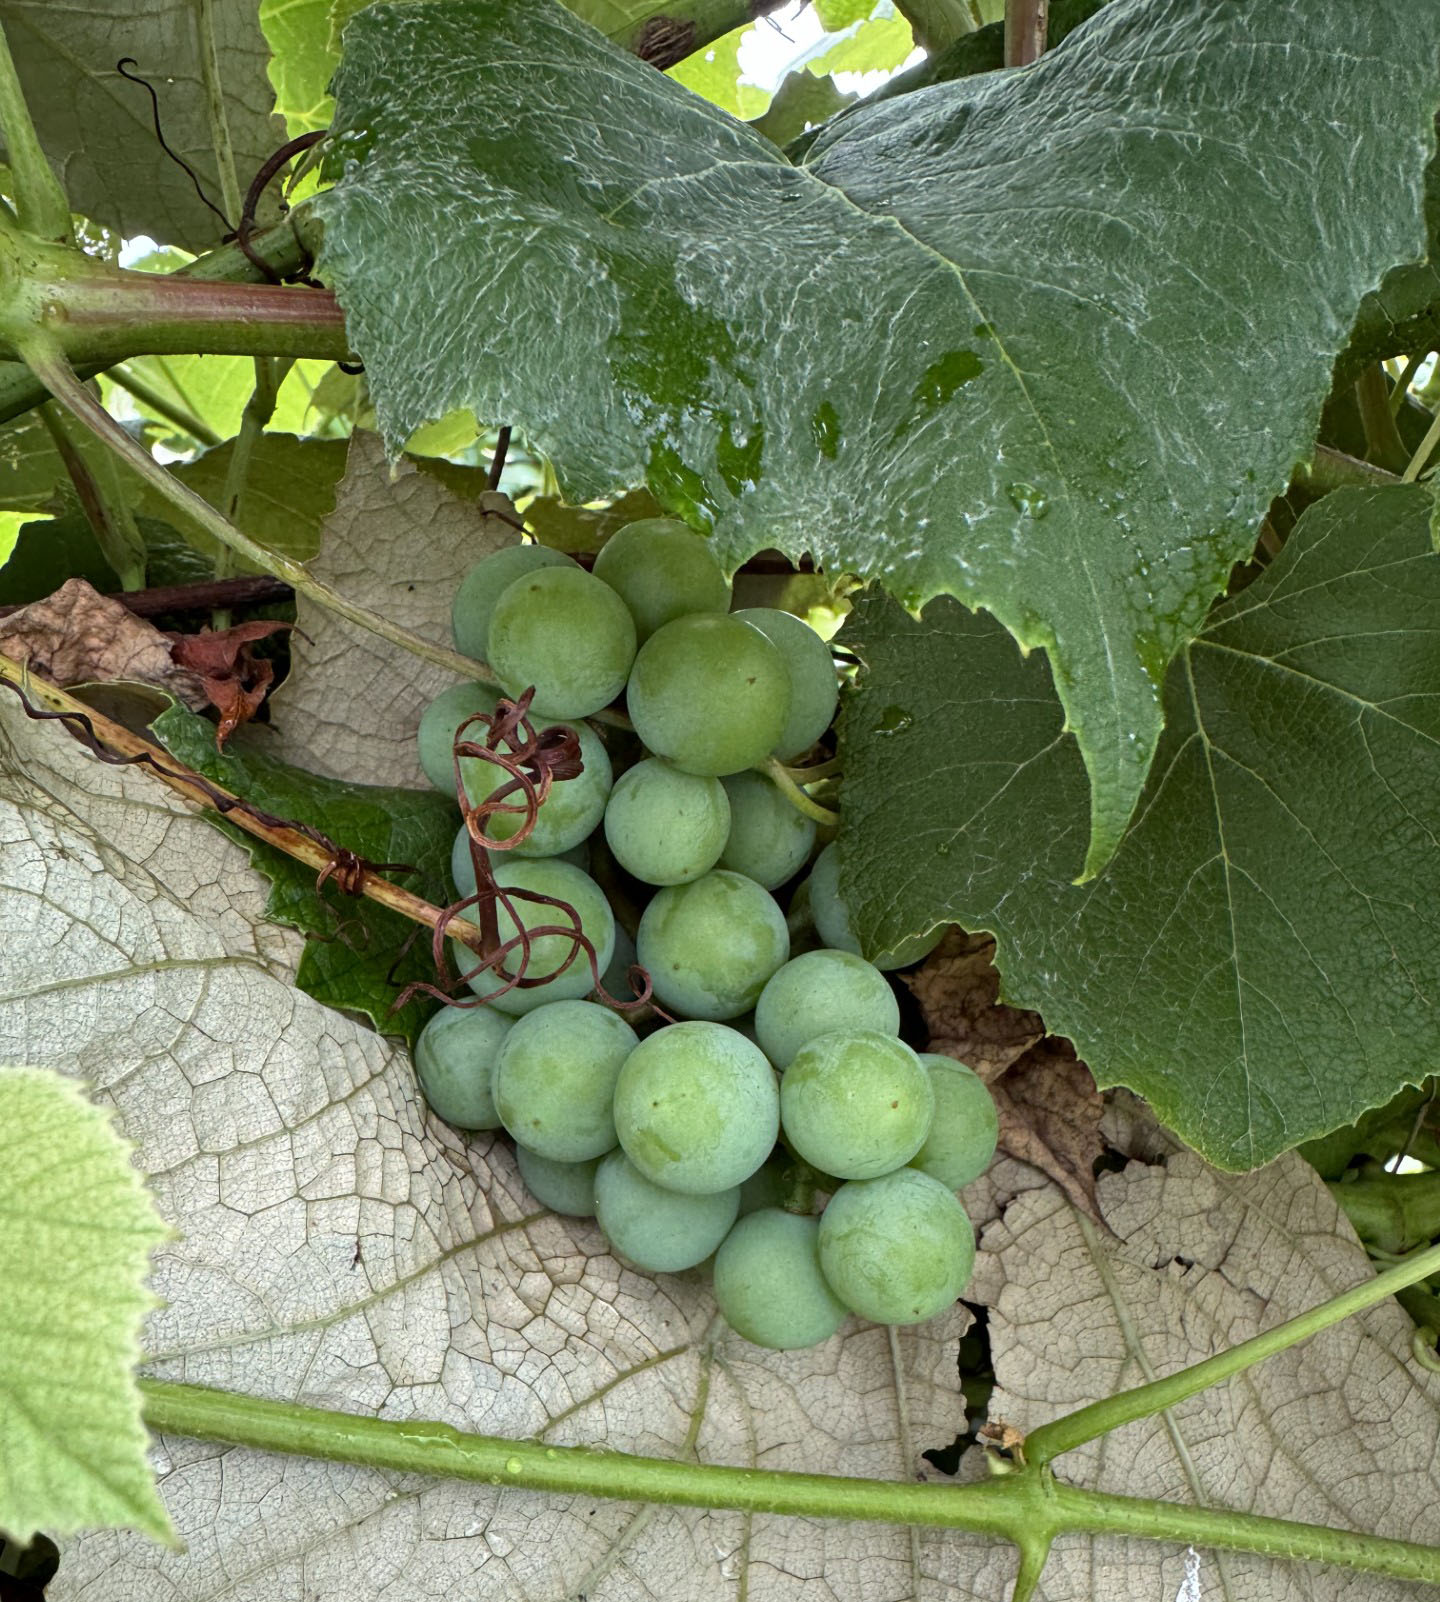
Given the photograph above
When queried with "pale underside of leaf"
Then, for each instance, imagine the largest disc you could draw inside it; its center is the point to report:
(400, 546)
(1342, 1430)
(1046, 341)
(340, 1247)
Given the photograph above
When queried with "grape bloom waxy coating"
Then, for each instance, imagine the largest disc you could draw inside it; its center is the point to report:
(857, 1104)
(818, 993)
(897, 1249)
(562, 631)
(769, 1284)
(659, 1229)
(696, 1107)
(711, 945)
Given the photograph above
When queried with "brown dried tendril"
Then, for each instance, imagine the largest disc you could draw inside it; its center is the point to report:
(531, 763)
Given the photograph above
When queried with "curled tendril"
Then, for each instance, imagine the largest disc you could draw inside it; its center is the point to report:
(530, 764)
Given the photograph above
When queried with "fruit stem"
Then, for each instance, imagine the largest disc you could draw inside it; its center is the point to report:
(792, 792)
(1099, 1418)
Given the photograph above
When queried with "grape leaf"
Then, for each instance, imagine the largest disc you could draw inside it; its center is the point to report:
(956, 351)
(356, 957)
(301, 61)
(338, 1247)
(214, 389)
(1261, 958)
(97, 127)
(79, 1229)
(289, 491)
(1342, 1430)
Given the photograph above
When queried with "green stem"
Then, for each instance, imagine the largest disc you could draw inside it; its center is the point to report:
(1406, 378)
(106, 509)
(259, 409)
(1099, 1418)
(1427, 445)
(162, 405)
(1383, 444)
(283, 248)
(1026, 25)
(1028, 1508)
(41, 208)
(195, 513)
(792, 792)
(230, 194)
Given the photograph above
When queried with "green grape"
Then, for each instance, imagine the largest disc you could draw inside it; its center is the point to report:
(662, 570)
(566, 633)
(462, 870)
(454, 1058)
(567, 1188)
(438, 723)
(480, 589)
(814, 687)
(710, 946)
(665, 826)
(818, 993)
(832, 918)
(710, 694)
(965, 1128)
(567, 816)
(898, 1249)
(696, 1108)
(659, 1230)
(768, 1283)
(550, 954)
(769, 839)
(856, 1104)
(555, 1079)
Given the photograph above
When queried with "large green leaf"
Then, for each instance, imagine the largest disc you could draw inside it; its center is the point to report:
(301, 61)
(359, 954)
(1261, 958)
(74, 1252)
(1007, 339)
(96, 126)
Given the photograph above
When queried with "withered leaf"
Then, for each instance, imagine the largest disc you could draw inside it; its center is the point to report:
(78, 636)
(235, 679)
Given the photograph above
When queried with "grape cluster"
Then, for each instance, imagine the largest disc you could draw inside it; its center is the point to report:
(764, 1081)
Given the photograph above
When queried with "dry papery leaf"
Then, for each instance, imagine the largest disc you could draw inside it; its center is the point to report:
(1341, 1430)
(234, 678)
(399, 545)
(337, 1247)
(1048, 1105)
(78, 636)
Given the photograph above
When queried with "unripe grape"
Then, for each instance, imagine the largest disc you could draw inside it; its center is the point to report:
(696, 1108)
(768, 1283)
(818, 993)
(966, 1126)
(665, 826)
(438, 723)
(814, 687)
(710, 946)
(455, 1057)
(897, 1249)
(481, 587)
(769, 838)
(656, 1229)
(662, 570)
(857, 1104)
(555, 1078)
(567, 1188)
(569, 813)
(567, 634)
(710, 694)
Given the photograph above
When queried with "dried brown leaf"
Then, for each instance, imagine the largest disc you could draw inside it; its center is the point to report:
(78, 636)
(1048, 1104)
(235, 679)
(957, 989)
